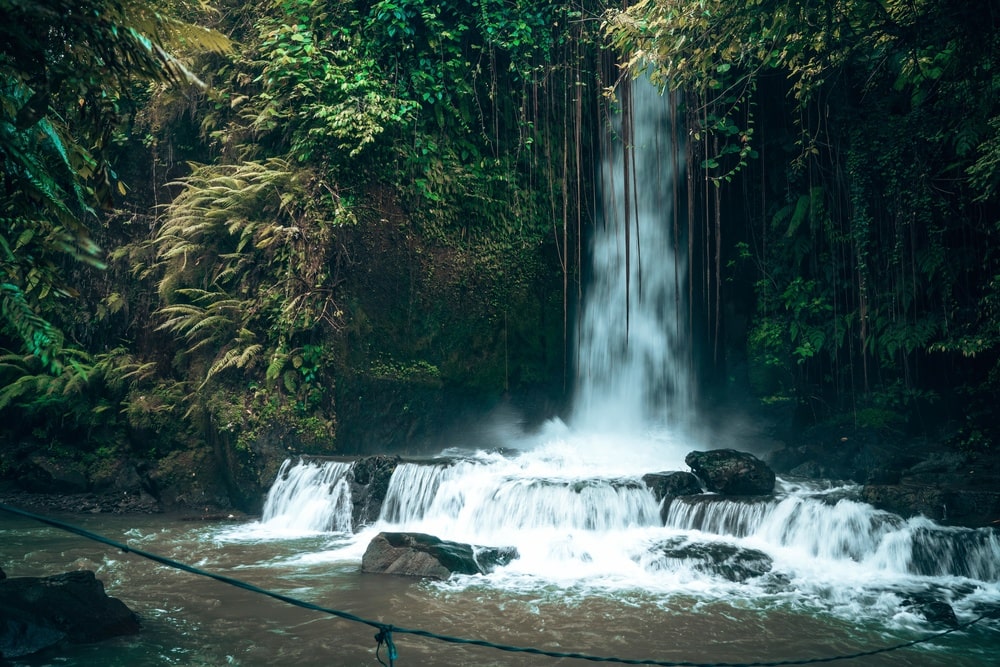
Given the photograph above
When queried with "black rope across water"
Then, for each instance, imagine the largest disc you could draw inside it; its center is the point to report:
(385, 631)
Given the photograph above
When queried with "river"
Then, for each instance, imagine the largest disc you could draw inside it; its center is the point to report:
(598, 572)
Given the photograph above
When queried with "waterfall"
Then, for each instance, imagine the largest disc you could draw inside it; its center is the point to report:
(571, 499)
(632, 359)
(309, 496)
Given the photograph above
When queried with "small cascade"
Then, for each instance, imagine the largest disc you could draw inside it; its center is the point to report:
(813, 527)
(532, 503)
(413, 489)
(936, 551)
(480, 500)
(718, 515)
(599, 530)
(309, 496)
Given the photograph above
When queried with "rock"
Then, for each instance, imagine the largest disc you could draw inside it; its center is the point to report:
(907, 500)
(675, 483)
(807, 469)
(84, 503)
(190, 478)
(47, 474)
(122, 477)
(904, 475)
(964, 507)
(38, 612)
(934, 611)
(729, 561)
(422, 555)
(369, 484)
(668, 485)
(845, 452)
(973, 507)
(731, 472)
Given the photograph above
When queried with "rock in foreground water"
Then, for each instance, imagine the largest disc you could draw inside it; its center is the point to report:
(422, 555)
(722, 559)
(38, 612)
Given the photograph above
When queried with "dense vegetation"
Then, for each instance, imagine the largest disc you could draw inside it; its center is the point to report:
(854, 144)
(322, 223)
(317, 214)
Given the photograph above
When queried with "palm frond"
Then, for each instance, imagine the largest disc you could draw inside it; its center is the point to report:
(41, 339)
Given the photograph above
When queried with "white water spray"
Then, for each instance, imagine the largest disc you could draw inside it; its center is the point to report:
(309, 497)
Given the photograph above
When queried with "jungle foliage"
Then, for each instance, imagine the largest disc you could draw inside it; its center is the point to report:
(871, 218)
(373, 194)
(70, 73)
(320, 206)
(73, 76)
(382, 197)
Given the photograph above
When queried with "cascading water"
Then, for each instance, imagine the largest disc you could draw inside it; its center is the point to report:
(572, 500)
(309, 496)
(808, 546)
(632, 369)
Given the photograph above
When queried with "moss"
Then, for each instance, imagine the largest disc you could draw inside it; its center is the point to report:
(189, 477)
(247, 417)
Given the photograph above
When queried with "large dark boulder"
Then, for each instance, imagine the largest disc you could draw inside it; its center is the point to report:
(668, 485)
(737, 564)
(38, 612)
(422, 555)
(730, 472)
(370, 477)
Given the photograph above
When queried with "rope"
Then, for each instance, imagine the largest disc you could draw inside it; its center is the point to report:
(385, 637)
(385, 631)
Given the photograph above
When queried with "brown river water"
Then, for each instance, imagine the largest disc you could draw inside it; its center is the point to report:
(190, 620)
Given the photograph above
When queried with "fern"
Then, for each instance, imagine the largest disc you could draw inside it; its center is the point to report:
(244, 268)
(241, 356)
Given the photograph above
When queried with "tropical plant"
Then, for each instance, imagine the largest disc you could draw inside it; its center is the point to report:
(247, 271)
(86, 397)
(67, 74)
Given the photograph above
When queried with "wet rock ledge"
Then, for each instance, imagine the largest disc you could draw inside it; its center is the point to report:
(906, 477)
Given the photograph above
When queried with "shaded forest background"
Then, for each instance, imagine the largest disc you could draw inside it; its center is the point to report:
(232, 228)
